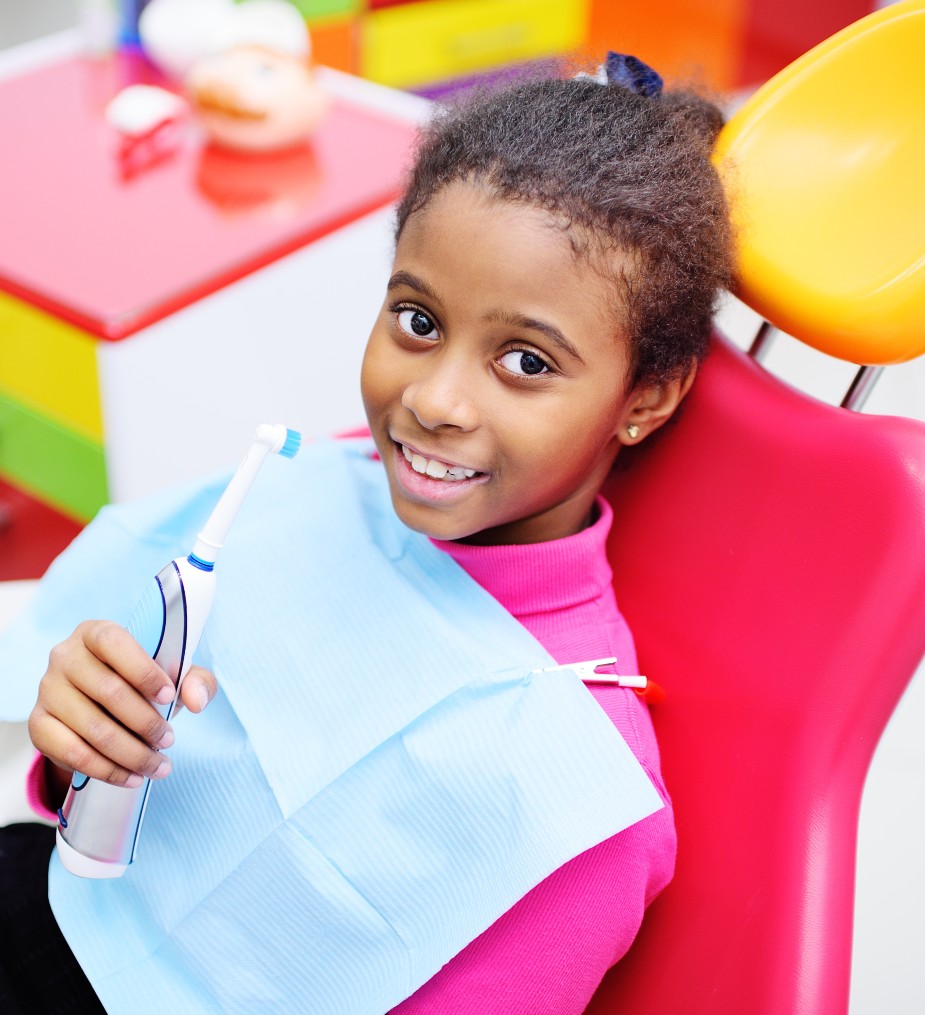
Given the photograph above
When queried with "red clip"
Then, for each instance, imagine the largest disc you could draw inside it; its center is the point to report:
(652, 693)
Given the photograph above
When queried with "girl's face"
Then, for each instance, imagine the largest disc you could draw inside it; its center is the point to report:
(494, 378)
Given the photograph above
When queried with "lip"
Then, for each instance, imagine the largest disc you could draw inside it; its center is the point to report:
(426, 488)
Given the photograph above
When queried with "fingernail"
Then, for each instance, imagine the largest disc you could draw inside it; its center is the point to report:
(166, 740)
(202, 694)
(162, 769)
(165, 695)
(133, 781)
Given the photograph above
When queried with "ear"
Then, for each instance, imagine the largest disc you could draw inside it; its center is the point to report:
(648, 406)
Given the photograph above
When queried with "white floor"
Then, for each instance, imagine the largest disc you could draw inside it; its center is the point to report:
(888, 974)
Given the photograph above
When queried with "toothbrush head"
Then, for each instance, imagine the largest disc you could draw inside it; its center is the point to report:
(279, 439)
(269, 439)
(291, 444)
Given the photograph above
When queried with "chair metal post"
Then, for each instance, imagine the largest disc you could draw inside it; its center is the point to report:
(761, 344)
(861, 387)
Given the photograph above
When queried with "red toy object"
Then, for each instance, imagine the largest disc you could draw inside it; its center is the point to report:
(147, 121)
(769, 558)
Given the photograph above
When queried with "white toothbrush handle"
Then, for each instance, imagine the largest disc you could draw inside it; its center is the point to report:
(99, 824)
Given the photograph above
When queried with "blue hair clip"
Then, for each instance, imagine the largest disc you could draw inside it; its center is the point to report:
(630, 72)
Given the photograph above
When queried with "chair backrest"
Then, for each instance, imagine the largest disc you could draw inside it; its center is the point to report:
(769, 550)
(769, 553)
(824, 165)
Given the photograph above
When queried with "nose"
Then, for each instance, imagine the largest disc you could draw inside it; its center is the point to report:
(442, 395)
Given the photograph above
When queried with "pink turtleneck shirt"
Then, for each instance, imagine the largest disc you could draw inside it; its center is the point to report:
(549, 952)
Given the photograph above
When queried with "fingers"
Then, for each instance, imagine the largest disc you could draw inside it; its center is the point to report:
(73, 752)
(105, 667)
(113, 645)
(94, 712)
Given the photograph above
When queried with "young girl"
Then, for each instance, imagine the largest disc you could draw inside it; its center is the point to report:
(560, 247)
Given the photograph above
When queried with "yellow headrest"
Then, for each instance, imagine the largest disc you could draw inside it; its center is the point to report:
(825, 168)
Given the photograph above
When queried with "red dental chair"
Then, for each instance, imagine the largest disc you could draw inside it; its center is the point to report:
(769, 550)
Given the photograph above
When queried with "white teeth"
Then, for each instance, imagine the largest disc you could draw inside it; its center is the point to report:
(436, 469)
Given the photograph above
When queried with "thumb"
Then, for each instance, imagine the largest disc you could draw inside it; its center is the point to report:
(198, 688)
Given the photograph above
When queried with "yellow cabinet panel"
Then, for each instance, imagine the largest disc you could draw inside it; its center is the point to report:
(416, 44)
(50, 365)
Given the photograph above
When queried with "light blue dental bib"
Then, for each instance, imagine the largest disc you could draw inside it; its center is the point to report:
(380, 778)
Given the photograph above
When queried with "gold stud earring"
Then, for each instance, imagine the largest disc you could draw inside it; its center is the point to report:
(632, 431)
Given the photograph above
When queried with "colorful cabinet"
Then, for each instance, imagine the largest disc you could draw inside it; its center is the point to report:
(334, 26)
(435, 46)
(149, 321)
(51, 427)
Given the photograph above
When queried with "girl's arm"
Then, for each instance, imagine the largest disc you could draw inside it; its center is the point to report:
(549, 952)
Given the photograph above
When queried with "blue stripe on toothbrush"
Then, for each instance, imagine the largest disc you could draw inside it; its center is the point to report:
(292, 444)
(203, 565)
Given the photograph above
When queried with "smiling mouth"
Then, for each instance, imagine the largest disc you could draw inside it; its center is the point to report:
(435, 468)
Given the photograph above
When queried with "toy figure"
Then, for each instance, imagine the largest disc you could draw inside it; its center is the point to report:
(251, 98)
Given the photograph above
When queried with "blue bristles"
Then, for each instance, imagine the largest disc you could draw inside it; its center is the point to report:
(292, 444)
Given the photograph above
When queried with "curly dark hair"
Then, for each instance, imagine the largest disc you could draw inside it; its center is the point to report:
(631, 173)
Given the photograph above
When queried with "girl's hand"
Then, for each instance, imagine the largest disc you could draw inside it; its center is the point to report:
(94, 712)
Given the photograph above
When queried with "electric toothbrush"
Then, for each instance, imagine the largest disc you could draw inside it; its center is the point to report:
(99, 824)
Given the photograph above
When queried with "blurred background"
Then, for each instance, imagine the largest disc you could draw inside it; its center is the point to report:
(422, 48)
(433, 45)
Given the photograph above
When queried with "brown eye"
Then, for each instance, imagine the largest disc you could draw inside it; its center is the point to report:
(416, 322)
(524, 363)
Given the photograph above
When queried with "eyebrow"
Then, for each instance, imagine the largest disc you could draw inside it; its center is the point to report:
(405, 278)
(533, 324)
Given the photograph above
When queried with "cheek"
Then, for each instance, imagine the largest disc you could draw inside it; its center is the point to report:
(377, 381)
(574, 443)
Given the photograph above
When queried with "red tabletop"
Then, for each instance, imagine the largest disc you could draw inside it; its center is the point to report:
(113, 246)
